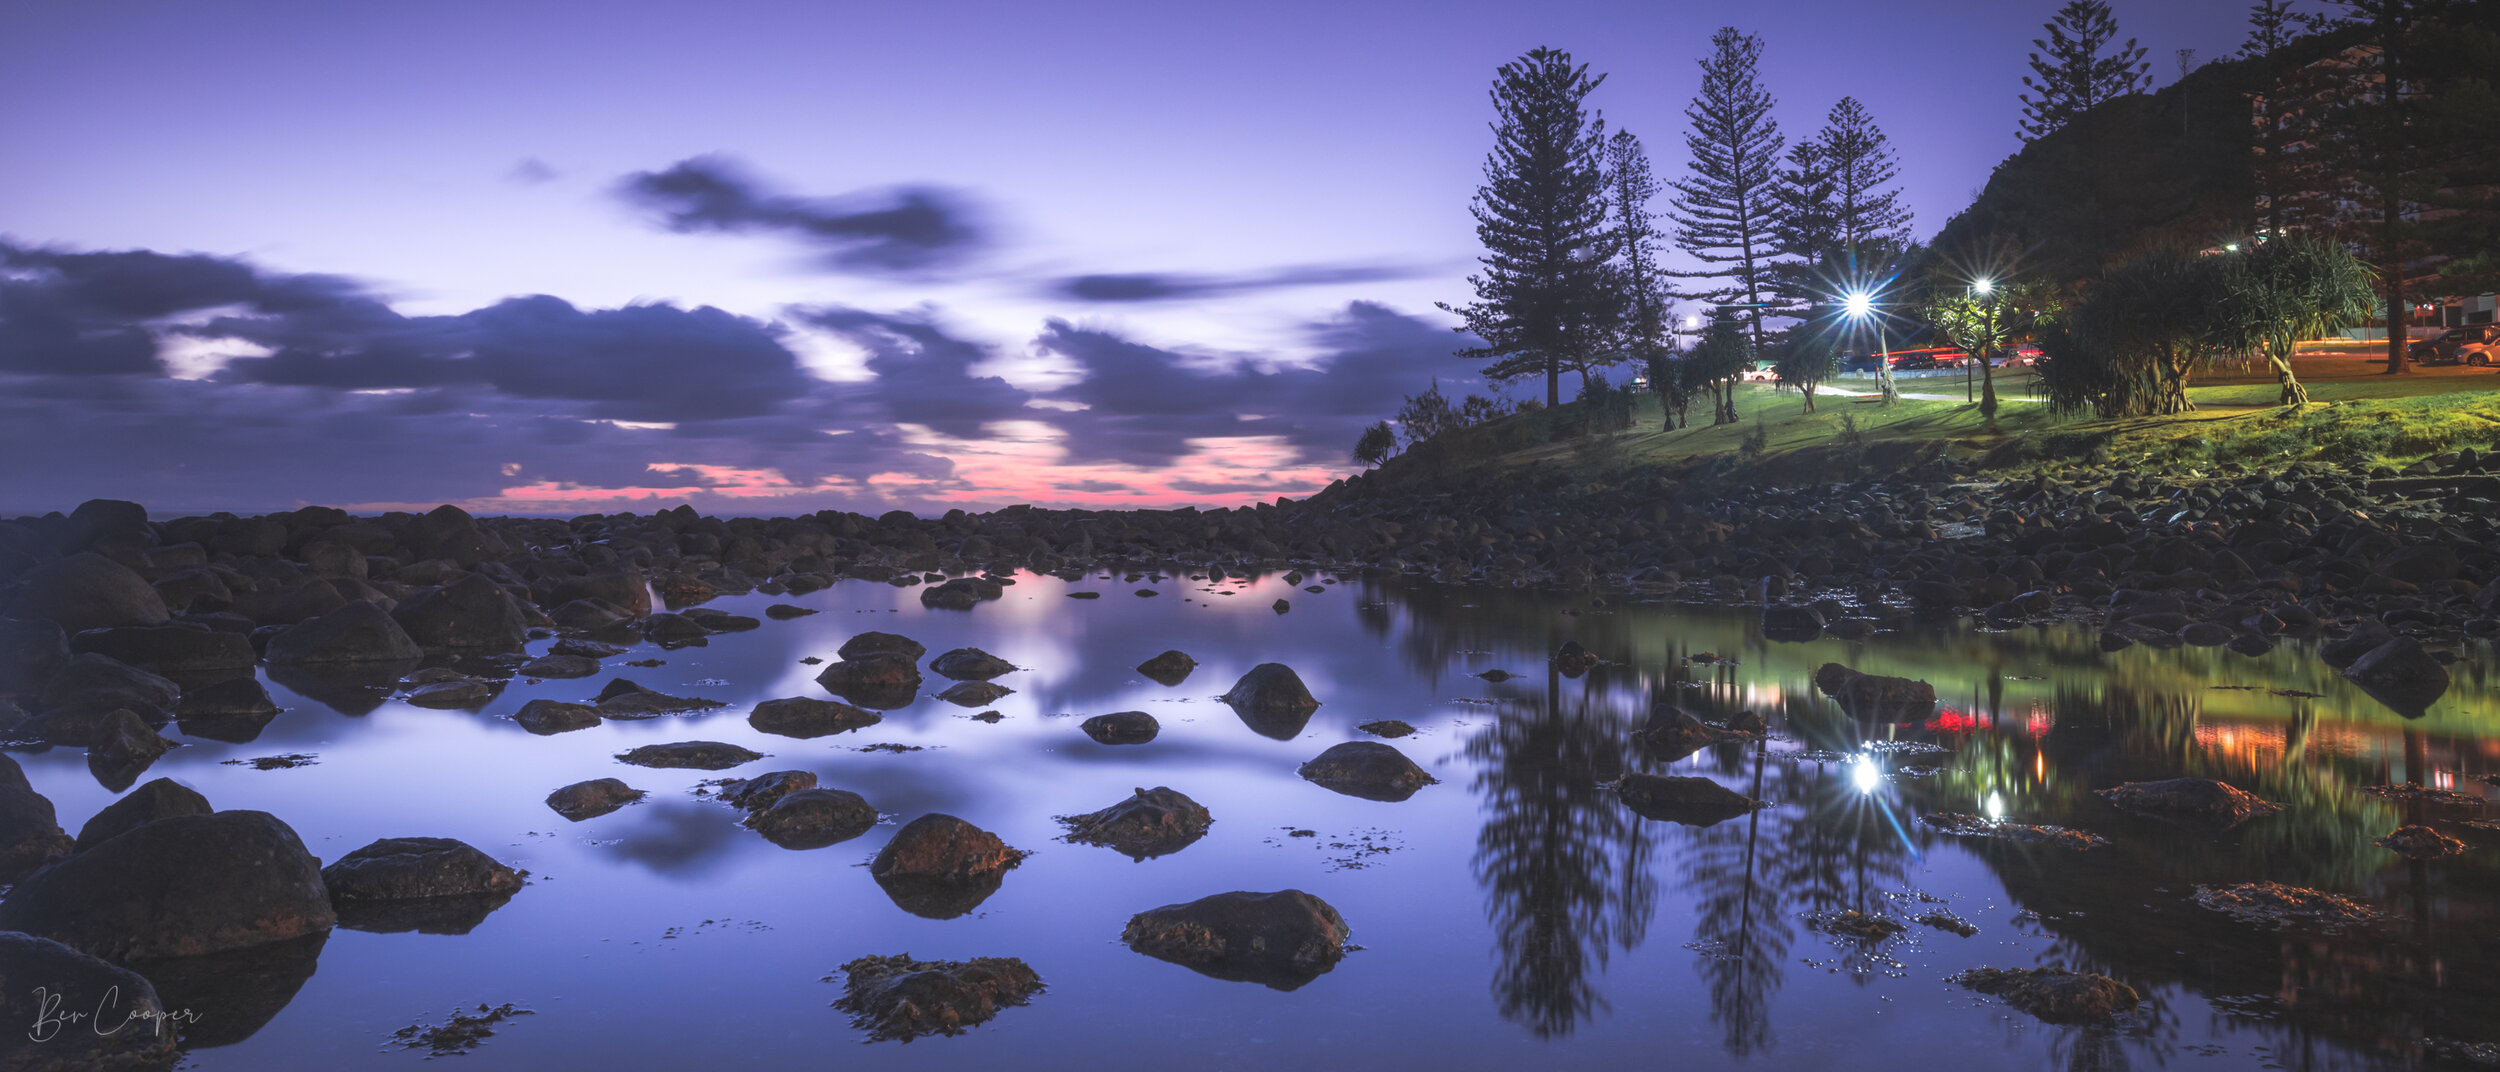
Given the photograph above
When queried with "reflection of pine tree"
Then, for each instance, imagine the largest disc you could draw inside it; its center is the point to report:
(1745, 924)
(1564, 866)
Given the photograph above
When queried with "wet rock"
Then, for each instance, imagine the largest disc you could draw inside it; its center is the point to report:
(126, 749)
(1874, 696)
(884, 680)
(689, 755)
(626, 590)
(99, 683)
(1366, 769)
(472, 613)
(1964, 824)
(170, 649)
(2341, 652)
(804, 717)
(2400, 674)
(234, 993)
(1387, 727)
(1150, 823)
(2201, 801)
(455, 693)
(592, 799)
(1281, 940)
(941, 867)
(2420, 843)
(354, 633)
(1673, 733)
(1169, 668)
(1121, 727)
(622, 698)
(2273, 905)
(1856, 924)
(750, 794)
(240, 697)
(1690, 801)
(546, 717)
(962, 593)
(414, 868)
(969, 664)
(87, 591)
(2054, 995)
(179, 886)
(975, 693)
(42, 979)
(1281, 606)
(896, 997)
(674, 630)
(720, 621)
(1573, 659)
(782, 612)
(1945, 920)
(813, 818)
(162, 798)
(559, 666)
(31, 651)
(1790, 622)
(883, 643)
(1497, 676)
(30, 832)
(1271, 687)
(585, 648)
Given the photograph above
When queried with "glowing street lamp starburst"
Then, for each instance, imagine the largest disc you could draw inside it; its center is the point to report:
(1857, 303)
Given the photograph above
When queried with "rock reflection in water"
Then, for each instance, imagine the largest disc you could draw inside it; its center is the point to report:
(232, 995)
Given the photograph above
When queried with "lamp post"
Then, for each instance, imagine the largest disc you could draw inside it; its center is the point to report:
(1860, 305)
(1986, 289)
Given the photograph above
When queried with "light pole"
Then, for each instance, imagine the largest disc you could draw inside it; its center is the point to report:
(1986, 289)
(1860, 305)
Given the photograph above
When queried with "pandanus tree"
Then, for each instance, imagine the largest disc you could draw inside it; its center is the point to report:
(2278, 292)
(1986, 317)
(2128, 346)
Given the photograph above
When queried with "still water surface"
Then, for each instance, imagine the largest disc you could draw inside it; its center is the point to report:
(1515, 915)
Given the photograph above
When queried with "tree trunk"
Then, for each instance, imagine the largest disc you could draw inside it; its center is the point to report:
(1987, 394)
(1553, 382)
(2391, 206)
(2293, 393)
(1807, 389)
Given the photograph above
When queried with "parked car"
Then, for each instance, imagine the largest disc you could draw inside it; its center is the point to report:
(2478, 344)
(1929, 359)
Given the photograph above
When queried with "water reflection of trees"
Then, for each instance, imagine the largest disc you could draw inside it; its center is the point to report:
(1566, 870)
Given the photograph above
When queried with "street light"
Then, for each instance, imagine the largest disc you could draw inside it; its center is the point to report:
(1860, 305)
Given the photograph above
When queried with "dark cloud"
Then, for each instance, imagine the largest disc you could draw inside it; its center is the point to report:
(531, 171)
(923, 373)
(1091, 487)
(1168, 286)
(907, 228)
(87, 313)
(1144, 404)
(1239, 487)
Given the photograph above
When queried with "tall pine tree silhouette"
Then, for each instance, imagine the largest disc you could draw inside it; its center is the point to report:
(1545, 301)
(1725, 213)
(1646, 309)
(2074, 75)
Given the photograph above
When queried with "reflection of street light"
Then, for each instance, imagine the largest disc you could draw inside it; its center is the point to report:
(1864, 775)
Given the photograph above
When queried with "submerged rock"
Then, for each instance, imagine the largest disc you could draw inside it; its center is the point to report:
(1673, 733)
(975, 693)
(1690, 801)
(693, 755)
(804, 717)
(1874, 696)
(969, 664)
(2059, 997)
(1387, 727)
(1964, 824)
(2201, 801)
(813, 818)
(1151, 822)
(1169, 668)
(1280, 940)
(592, 799)
(2420, 843)
(547, 717)
(763, 790)
(896, 997)
(2400, 674)
(1856, 924)
(559, 666)
(176, 887)
(625, 699)
(1367, 769)
(2274, 905)
(1121, 727)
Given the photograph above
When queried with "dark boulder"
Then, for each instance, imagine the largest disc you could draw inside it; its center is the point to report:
(1673, 733)
(43, 982)
(87, 591)
(1151, 822)
(1169, 668)
(1280, 940)
(969, 664)
(125, 751)
(1367, 769)
(625, 590)
(1272, 701)
(1690, 801)
(546, 717)
(2197, 801)
(1874, 696)
(962, 593)
(2054, 995)
(1387, 727)
(896, 997)
(559, 666)
(622, 698)
(782, 612)
(1790, 622)
(354, 633)
(690, 755)
(883, 680)
(884, 643)
(2400, 674)
(470, 614)
(1574, 659)
(31, 651)
(452, 693)
(168, 649)
(2419, 842)
(162, 798)
(674, 630)
(30, 831)
(592, 799)
(975, 693)
(941, 867)
(237, 697)
(761, 791)
(410, 868)
(804, 717)
(1121, 727)
(178, 887)
(100, 682)
(813, 818)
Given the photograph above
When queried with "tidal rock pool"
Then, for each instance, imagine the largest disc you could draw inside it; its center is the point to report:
(1669, 844)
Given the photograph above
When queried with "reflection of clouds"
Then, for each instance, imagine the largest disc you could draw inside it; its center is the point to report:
(678, 839)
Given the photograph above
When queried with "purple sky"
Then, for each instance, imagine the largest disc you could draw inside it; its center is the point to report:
(894, 209)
